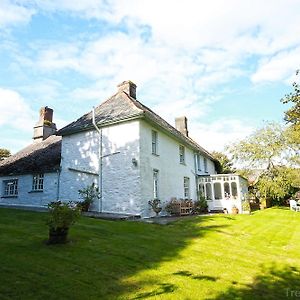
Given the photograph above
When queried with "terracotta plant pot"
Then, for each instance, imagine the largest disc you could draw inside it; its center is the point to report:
(234, 210)
(58, 235)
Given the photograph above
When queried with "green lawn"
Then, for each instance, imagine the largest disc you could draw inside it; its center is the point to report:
(211, 257)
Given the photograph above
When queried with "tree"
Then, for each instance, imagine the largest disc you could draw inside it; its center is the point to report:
(270, 151)
(4, 153)
(225, 164)
(292, 115)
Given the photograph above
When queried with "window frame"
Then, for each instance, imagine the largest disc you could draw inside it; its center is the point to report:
(154, 145)
(155, 184)
(38, 182)
(205, 165)
(186, 187)
(181, 154)
(10, 192)
(198, 162)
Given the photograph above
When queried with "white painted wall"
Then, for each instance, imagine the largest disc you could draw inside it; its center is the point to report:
(171, 172)
(25, 195)
(121, 178)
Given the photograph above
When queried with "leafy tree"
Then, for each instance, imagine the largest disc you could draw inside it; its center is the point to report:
(4, 153)
(292, 115)
(270, 151)
(225, 164)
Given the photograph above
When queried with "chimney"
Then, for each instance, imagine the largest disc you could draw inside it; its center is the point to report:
(128, 87)
(44, 127)
(181, 125)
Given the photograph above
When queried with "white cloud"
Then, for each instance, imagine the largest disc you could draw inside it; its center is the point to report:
(15, 112)
(216, 135)
(280, 67)
(12, 14)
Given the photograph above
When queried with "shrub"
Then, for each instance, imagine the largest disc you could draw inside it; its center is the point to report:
(173, 207)
(62, 215)
(89, 195)
(246, 205)
(200, 206)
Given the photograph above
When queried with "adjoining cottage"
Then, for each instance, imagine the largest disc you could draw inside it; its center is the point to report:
(31, 176)
(130, 152)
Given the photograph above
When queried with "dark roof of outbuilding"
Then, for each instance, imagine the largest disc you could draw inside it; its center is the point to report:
(39, 157)
(121, 107)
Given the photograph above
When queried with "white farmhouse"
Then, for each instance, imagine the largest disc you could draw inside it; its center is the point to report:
(130, 152)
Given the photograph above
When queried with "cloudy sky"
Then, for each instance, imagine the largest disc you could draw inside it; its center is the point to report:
(223, 64)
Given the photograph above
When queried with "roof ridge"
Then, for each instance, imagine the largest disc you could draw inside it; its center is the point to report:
(131, 101)
(134, 101)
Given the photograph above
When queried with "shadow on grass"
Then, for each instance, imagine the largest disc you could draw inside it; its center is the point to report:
(163, 288)
(273, 283)
(198, 277)
(98, 262)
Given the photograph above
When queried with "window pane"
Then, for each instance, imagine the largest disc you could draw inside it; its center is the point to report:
(208, 191)
(186, 187)
(217, 190)
(155, 184)
(181, 154)
(234, 189)
(205, 164)
(227, 190)
(154, 142)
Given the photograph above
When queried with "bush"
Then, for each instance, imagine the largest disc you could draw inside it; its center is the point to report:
(173, 207)
(200, 206)
(62, 215)
(246, 205)
(89, 195)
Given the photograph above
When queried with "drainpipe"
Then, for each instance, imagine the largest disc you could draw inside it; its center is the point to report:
(100, 182)
(58, 183)
(196, 176)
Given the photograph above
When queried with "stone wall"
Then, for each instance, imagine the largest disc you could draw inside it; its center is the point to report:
(121, 189)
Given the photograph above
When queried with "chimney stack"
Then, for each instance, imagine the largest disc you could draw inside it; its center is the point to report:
(128, 87)
(181, 125)
(44, 127)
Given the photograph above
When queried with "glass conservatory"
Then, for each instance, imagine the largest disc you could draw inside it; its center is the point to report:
(223, 191)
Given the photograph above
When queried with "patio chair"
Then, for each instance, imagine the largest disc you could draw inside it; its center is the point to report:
(294, 206)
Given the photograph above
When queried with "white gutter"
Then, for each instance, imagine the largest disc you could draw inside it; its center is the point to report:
(100, 182)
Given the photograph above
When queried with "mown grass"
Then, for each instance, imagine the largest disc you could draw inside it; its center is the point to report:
(210, 257)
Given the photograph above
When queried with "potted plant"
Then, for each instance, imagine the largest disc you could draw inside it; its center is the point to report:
(88, 195)
(234, 210)
(61, 216)
(155, 205)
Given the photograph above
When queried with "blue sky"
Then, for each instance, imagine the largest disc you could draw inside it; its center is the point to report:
(223, 64)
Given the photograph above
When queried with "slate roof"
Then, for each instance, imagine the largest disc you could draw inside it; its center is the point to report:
(121, 107)
(40, 157)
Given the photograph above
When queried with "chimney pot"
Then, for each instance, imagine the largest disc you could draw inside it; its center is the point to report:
(181, 125)
(128, 87)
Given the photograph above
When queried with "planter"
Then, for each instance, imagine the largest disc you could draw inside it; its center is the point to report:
(58, 235)
(157, 210)
(234, 210)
